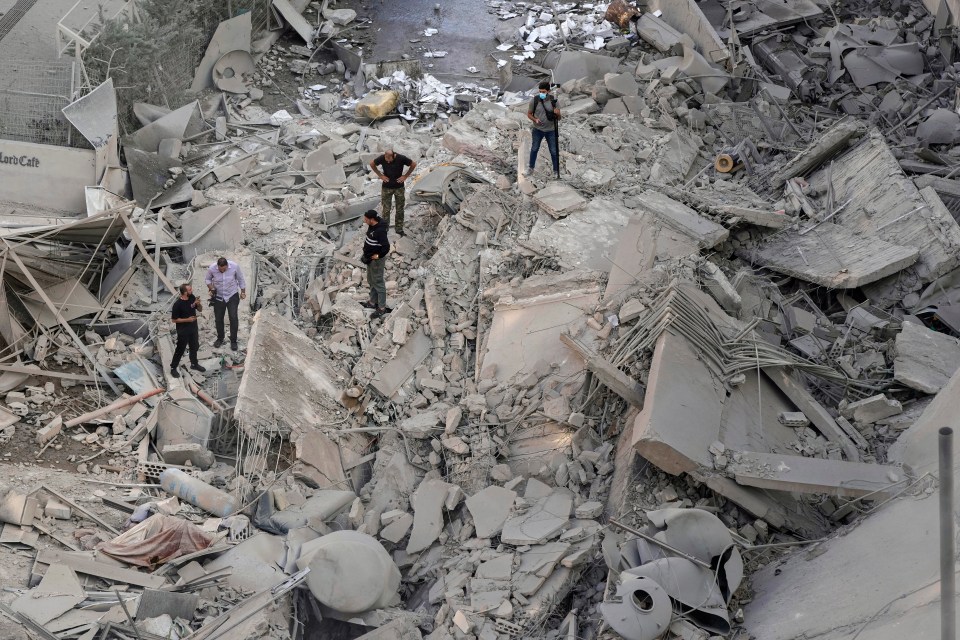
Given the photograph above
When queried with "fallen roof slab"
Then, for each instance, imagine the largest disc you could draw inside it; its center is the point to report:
(885, 204)
(287, 381)
(814, 475)
(832, 256)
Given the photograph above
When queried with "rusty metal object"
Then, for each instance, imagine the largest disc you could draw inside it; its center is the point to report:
(621, 13)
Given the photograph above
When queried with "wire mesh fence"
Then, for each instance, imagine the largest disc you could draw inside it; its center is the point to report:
(32, 94)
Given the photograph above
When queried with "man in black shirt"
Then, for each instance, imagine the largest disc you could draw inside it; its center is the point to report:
(393, 177)
(184, 315)
(376, 246)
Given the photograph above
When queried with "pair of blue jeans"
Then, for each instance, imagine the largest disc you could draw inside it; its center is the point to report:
(551, 138)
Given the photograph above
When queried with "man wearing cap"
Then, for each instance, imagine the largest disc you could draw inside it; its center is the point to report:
(376, 246)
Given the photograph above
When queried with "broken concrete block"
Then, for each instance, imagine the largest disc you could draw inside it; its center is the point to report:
(49, 432)
(400, 328)
(340, 17)
(421, 426)
(180, 454)
(871, 409)
(461, 621)
(398, 528)
(456, 445)
(583, 106)
(925, 359)
(589, 510)
(377, 104)
(540, 522)
(427, 502)
(58, 592)
(623, 84)
(490, 509)
(57, 510)
(793, 419)
(454, 415)
(631, 309)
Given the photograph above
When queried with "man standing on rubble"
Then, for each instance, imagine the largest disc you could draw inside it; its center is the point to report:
(227, 288)
(376, 246)
(544, 114)
(393, 177)
(184, 316)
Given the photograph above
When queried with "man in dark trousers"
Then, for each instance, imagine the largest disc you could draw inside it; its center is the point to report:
(376, 246)
(184, 315)
(393, 176)
(227, 288)
(544, 114)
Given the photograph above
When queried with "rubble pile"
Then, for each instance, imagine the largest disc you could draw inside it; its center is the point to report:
(597, 407)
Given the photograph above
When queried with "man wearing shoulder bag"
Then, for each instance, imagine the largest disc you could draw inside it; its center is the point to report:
(544, 113)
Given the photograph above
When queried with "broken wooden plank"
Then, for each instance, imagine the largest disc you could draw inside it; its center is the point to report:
(814, 475)
(91, 567)
(614, 379)
(813, 410)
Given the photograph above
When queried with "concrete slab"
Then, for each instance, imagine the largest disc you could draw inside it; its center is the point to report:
(814, 475)
(427, 502)
(536, 565)
(885, 204)
(832, 256)
(925, 359)
(706, 233)
(490, 509)
(217, 228)
(541, 521)
(585, 239)
(287, 381)
(572, 65)
(399, 629)
(396, 530)
(559, 199)
(58, 592)
(644, 242)
(527, 332)
(397, 371)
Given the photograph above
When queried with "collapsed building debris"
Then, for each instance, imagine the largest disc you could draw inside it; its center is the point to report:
(605, 406)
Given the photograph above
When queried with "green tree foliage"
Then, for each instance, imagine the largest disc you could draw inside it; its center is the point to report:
(152, 58)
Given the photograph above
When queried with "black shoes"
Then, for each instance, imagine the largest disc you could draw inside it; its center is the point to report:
(368, 305)
(233, 346)
(400, 233)
(197, 367)
(218, 344)
(379, 313)
(174, 373)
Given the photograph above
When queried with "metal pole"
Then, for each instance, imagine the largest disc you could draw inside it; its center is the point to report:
(948, 604)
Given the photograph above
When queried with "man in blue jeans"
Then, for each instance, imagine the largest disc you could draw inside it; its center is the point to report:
(544, 113)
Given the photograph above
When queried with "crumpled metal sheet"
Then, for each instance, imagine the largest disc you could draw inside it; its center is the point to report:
(157, 540)
(444, 185)
(640, 611)
(692, 589)
(698, 592)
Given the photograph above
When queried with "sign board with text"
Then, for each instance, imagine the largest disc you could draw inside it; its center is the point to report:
(45, 176)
